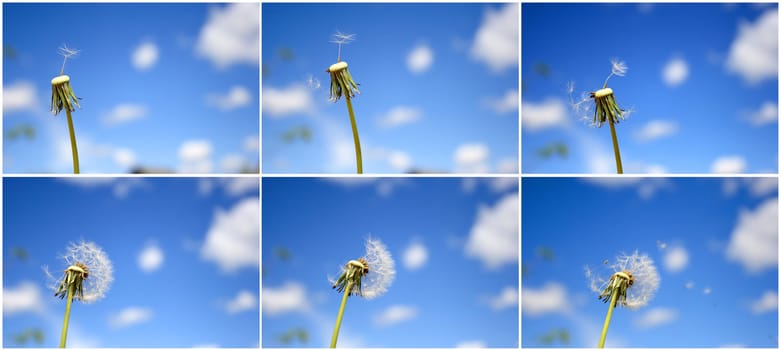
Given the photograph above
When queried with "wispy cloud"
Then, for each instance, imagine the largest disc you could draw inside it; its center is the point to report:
(656, 129)
(395, 314)
(125, 113)
(236, 97)
(130, 316)
(656, 317)
(398, 116)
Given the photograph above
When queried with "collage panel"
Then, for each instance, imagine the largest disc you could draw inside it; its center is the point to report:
(131, 262)
(685, 262)
(390, 88)
(117, 88)
(671, 88)
(427, 262)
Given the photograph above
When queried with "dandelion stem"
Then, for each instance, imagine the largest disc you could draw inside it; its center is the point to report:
(67, 313)
(358, 158)
(339, 316)
(613, 299)
(74, 150)
(619, 168)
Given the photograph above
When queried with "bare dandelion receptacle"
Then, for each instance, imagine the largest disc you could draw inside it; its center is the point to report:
(64, 98)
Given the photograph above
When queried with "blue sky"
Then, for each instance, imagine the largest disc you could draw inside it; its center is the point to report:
(178, 279)
(454, 242)
(438, 82)
(714, 242)
(702, 80)
(164, 86)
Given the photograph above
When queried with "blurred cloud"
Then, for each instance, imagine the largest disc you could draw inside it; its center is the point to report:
(507, 298)
(145, 56)
(22, 298)
(766, 303)
(552, 113)
(415, 256)
(244, 301)
(124, 113)
(754, 52)
(234, 236)
(754, 240)
(676, 259)
(231, 35)
(398, 116)
(471, 344)
(496, 40)
(20, 96)
(281, 102)
(130, 316)
(471, 158)
(420, 59)
(195, 156)
(494, 236)
(237, 96)
(551, 298)
(675, 72)
(729, 165)
(395, 314)
(656, 129)
(767, 113)
(505, 104)
(656, 317)
(290, 297)
(151, 257)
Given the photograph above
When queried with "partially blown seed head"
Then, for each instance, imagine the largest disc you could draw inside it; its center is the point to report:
(88, 267)
(370, 275)
(635, 277)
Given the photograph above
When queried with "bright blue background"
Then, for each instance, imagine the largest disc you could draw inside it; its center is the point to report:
(584, 223)
(323, 223)
(577, 41)
(174, 90)
(186, 294)
(451, 94)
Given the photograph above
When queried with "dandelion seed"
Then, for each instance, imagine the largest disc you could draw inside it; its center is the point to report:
(619, 67)
(312, 82)
(368, 277)
(87, 278)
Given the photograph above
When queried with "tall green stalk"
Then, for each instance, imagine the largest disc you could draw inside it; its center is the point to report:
(74, 149)
(616, 152)
(609, 316)
(356, 140)
(339, 316)
(65, 322)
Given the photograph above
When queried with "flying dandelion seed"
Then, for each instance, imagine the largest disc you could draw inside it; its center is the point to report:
(312, 82)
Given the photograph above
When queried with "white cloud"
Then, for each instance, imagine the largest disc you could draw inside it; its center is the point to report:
(505, 104)
(766, 303)
(675, 72)
(471, 158)
(237, 96)
(676, 259)
(551, 113)
(656, 317)
(283, 102)
(238, 186)
(233, 240)
(252, 144)
(123, 113)
(124, 157)
(766, 114)
(290, 297)
(151, 257)
(231, 35)
(508, 297)
(400, 161)
(130, 316)
(395, 314)
(551, 298)
(232, 163)
(244, 301)
(707, 290)
(415, 256)
(754, 53)
(145, 56)
(656, 129)
(646, 186)
(121, 185)
(508, 166)
(20, 96)
(496, 40)
(399, 116)
(754, 240)
(728, 165)
(195, 156)
(471, 344)
(420, 59)
(494, 235)
(761, 186)
(689, 285)
(24, 297)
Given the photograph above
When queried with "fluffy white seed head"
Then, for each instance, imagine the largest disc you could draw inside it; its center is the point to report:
(642, 268)
(101, 271)
(382, 269)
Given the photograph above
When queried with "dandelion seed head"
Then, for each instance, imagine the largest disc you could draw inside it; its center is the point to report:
(382, 269)
(97, 263)
(342, 38)
(618, 67)
(643, 271)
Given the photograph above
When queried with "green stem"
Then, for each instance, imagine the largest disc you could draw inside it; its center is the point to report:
(74, 150)
(619, 168)
(612, 306)
(67, 313)
(357, 141)
(341, 309)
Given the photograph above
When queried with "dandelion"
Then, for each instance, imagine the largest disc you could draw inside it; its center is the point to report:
(342, 84)
(632, 284)
(368, 277)
(63, 97)
(606, 108)
(87, 278)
